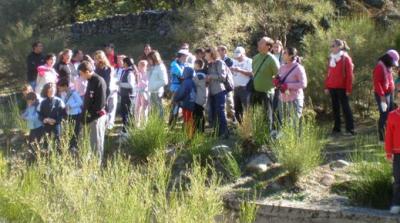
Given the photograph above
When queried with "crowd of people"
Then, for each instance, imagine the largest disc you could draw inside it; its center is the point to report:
(207, 87)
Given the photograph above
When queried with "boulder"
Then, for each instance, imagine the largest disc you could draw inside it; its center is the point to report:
(338, 164)
(259, 164)
(327, 180)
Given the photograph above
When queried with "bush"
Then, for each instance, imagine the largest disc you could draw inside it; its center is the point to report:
(248, 212)
(150, 138)
(299, 153)
(231, 166)
(201, 146)
(254, 127)
(367, 42)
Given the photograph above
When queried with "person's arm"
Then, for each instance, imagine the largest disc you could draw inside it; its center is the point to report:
(389, 137)
(302, 79)
(130, 83)
(221, 72)
(180, 94)
(349, 74)
(76, 101)
(60, 111)
(378, 77)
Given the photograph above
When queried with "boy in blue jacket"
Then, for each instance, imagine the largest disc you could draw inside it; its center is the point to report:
(186, 97)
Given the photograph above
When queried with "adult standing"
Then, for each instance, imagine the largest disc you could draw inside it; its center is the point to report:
(65, 69)
(242, 72)
(339, 84)
(158, 78)
(94, 107)
(190, 57)
(33, 61)
(77, 57)
(277, 51)
(146, 51)
(384, 87)
(46, 73)
(110, 53)
(223, 53)
(291, 81)
(217, 71)
(265, 66)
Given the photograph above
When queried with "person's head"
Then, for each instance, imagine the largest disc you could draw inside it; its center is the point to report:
(128, 62)
(66, 56)
(199, 53)
(77, 55)
(37, 47)
(265, 44)
(185, 46)
(109, 48)
(222, 50)
(239, 53)
(198, 64)
(88, 58)
(277, 48)
(142, 65)
(86, 70)
(390, 59)
(63, 85)
(50, 59)
(26, 89)
(339, 45)
(48, 91)
(100, 59)
(212, 54)
(120, 60)
(147, 49)
(31, 98)
(182, 56)
(154, 58)
(290, 55)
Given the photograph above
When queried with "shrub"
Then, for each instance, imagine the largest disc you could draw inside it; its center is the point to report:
(248, 212)
(231, 166)
(146, 140)
(299, 153)
(201, 146)
(254, 127)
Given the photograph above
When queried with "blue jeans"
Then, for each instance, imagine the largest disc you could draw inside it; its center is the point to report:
(383, 115)
(217, 111)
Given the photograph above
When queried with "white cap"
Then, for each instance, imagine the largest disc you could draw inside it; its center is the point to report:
(184, 52)
(239, 51)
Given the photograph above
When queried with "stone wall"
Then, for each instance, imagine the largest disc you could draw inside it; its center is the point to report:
(123, 24)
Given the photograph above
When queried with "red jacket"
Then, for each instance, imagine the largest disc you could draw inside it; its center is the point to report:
(383, 80)
(392, 139)
(340, 78)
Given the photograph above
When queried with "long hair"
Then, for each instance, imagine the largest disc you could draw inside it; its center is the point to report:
(46, 89)
(213, 53)
(101, 59)
(342, 45)
(155, 57)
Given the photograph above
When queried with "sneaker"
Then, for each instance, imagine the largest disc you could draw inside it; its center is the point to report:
(395, 210)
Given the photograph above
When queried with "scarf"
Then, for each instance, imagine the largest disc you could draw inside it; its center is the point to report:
(334, 58)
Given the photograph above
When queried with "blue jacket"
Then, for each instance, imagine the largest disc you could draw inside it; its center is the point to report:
(176, 75)
(32, 117)
(186, 94)
(73, 103)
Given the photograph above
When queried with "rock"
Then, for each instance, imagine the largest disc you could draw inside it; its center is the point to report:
(220, 150)
(338, 164)
(327, 180)
(259, 164)
(1, 132)
(375, 3)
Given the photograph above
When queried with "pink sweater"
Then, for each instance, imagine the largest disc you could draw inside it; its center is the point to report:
(296, 82)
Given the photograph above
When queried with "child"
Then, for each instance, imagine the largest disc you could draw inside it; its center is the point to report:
(46, 73)
(51, 111)
(392, 147)
(34, 124)
(73, 108)
(126, 86)
(186, 97)
(201, 95)
(142, 97)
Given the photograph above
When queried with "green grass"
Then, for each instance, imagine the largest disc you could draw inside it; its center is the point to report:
(299, 153)
(248, 212)
(254, 127)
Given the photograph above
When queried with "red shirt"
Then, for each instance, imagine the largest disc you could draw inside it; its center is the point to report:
(111, 58)
(383, 80)
(392, 139)
(339, 78)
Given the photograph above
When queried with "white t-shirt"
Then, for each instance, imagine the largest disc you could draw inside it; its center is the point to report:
(239, 79)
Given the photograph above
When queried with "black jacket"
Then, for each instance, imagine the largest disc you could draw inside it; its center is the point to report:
(65, 70)
(33, 61)
(51, 108)
(95, 98)
(105, 73)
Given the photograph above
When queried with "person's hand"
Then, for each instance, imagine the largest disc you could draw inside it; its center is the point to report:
(45, 121)
(235, 69)
(326, 91)
(348, 93)
(51, 121)
(389, 157)
(275, 81)
(383, 99)
(284, 88)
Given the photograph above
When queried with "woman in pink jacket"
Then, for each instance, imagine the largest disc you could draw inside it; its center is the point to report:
(291, 81)
(46, 73)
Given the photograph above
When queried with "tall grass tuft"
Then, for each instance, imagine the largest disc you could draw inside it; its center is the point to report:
(248, 212)
(254, 127)
(146, 140)
(299, 152)
(231, 166)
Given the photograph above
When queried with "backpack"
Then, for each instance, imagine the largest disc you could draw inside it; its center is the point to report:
(228, 82)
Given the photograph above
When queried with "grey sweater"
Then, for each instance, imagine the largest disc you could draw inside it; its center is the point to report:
(217, 73)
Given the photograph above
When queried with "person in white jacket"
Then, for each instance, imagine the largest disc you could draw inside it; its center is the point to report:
(158, 78)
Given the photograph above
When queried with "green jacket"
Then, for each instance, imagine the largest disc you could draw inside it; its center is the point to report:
(263, 78)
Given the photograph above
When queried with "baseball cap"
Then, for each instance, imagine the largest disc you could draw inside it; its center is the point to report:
(239, 51)
(395, 56)
(184, 52)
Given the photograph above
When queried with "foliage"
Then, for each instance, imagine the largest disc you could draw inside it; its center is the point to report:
(248, 212)
(201, 146)
(367, 42)
(299, 150)
(231, 166)
(254, 126)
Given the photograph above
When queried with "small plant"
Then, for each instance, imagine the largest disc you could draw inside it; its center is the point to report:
(148, 139)
(248, 212)
(201, 146)
(254, 127)
(231, 166)
(299, 152)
